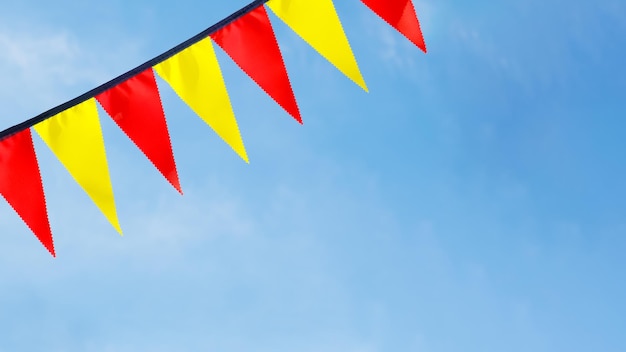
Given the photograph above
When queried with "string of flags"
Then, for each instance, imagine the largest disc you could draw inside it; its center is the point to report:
(73, 133)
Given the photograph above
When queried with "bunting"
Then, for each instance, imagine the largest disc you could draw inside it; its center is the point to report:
(135, 106)
(400, 14)
(73, 133)
(75, 137)
(251, 43)
(318, 24)
(195, 76)
(20, 185)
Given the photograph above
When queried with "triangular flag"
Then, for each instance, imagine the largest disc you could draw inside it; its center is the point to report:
(195, 76)
(251, 43)
(135, 106)
(400, 14)
(318, 24)
(20, 185)
(75, 137)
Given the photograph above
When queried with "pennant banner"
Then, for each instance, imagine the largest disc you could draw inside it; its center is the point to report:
(20, 185)
(400, 14)
(75, 137)
(195, 76)
(135, 106)
(318, 24)
(251, 43)
(72, 130)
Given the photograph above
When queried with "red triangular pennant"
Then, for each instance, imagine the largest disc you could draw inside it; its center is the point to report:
(251, 43)
(135, 106)
(400, 14)
(21, 186)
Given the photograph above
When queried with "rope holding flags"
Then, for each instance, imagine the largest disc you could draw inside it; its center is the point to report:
(73, 132)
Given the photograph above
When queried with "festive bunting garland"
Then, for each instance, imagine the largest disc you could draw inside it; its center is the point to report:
(72, 130)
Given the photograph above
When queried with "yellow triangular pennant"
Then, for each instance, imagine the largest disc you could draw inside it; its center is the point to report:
(318, 24)
(195, 76)
(75, 137)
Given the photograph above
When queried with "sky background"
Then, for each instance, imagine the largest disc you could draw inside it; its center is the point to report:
(472, 201)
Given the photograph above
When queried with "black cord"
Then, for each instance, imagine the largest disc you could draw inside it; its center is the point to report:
(123, 77)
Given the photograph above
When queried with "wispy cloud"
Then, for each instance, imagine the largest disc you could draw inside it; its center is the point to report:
(200, 252)
(43, 67)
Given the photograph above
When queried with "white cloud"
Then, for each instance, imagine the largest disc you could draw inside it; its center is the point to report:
(43, 67)
(217, 244)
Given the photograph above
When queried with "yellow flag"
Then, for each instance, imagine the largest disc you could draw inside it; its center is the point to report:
(195, 76)
(75, 137)
(317, 22)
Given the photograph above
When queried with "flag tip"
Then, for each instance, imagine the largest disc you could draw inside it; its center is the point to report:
(177, 187)
(360, 81)
(244, 156)
(49, 246)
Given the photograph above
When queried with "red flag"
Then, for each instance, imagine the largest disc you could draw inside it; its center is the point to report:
(251, 43)
(135, 106)
(400, 14)
(21, 186)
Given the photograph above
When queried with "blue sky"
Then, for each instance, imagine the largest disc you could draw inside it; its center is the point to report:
(472, 201)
